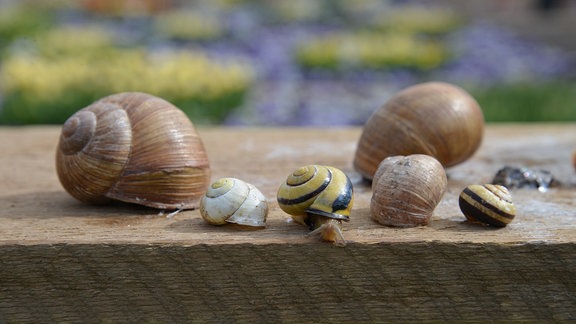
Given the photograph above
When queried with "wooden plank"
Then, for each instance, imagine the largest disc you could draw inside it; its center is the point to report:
(40, 212)
(294, 283)
(61, 260)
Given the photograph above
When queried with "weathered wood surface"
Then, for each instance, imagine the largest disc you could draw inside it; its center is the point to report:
(64, 261)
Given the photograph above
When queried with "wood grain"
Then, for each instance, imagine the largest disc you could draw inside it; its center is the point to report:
(64, 261)
(294, 283)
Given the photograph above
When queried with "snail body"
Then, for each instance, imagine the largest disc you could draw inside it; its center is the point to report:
(406, 190)
(487, 204)
(434, 118)
(230, 200)
(320, 197)
(136, 148)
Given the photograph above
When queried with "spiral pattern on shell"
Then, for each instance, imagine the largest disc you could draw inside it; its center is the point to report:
(435, 118)
(320, 197)
(406, 190)
(316, 190)
(487, 204)
(136, 148)
(230, 200)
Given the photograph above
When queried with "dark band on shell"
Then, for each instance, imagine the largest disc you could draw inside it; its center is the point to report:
(317, 190)
(307, 195)
(488, 204)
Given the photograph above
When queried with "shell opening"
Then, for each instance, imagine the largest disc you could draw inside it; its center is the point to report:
(317, 212)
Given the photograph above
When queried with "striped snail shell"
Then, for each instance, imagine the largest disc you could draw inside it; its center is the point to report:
(320, 197)
(229, 200)
(433, 118)
(406, 190)
(487, 204)
(135, 148)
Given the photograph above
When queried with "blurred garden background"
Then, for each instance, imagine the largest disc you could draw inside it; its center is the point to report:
(285, 62)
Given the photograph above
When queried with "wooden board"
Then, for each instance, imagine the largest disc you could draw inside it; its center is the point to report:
(62, 260)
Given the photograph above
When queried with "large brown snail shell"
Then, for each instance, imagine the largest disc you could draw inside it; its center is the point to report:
(406, 190)
(434, 118)
(135, 148)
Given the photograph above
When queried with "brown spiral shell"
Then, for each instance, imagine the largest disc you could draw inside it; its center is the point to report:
(136, 148)
(434, 118)
(406, 190)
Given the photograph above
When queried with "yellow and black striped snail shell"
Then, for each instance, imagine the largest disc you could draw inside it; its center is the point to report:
(487, 204)
(320, 197)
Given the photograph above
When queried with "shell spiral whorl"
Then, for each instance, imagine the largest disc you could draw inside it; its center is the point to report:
(320, 197)
(132, 147)
(77, 132)
(230, 200)
(319, 190)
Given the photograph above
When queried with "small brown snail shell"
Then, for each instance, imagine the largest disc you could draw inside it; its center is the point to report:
(320, 197)
(230, 200)
(406, 190)
(135, 148)
(434, 118)
(487, 204)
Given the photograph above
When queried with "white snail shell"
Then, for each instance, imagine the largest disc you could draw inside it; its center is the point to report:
(406, 190)
(230, 200)
(136, 148)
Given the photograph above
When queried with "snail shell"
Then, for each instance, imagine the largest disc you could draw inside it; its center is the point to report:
(229, 200)
(436, 119)
(406, 190)
(320, 197)
(135, 148)
(487, 204)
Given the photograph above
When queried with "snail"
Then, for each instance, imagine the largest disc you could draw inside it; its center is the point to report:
(487, 204)
(230, 200)
(320, 197)
(136, 148)
(406, 190)
(434, 118)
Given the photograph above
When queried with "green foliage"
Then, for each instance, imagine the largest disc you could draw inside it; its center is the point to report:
(189, 24)
(18, 21)
(72, 67)
(528, 102)
(417, 20)
(404, 37)
(353, 50)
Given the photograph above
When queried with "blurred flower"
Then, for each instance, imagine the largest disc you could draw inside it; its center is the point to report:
(371, 50)
(189, 24)
(17, 21)
(486, 54)
(413, 19)
(198, 85)
(326, 62)
(73, 41)
(297, 10)
(126, 7)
